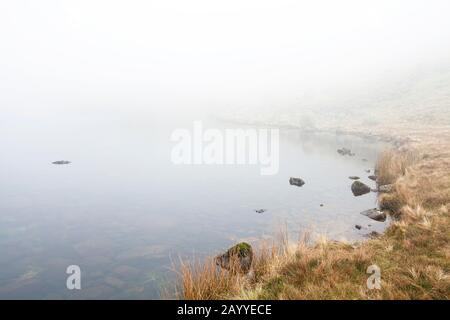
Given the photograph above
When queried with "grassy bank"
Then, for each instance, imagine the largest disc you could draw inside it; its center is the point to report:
(413, 254)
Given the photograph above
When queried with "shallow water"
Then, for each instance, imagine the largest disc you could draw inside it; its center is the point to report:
(123, 212)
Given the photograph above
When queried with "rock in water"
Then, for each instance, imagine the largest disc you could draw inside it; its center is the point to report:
(375, 214)
(238, 258)
(296, 182)
(260, 210)
(359, 188)
(61, 162)
(373, 177)
(354, 177)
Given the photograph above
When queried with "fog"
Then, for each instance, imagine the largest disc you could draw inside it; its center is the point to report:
(183, 55)
(106, 84)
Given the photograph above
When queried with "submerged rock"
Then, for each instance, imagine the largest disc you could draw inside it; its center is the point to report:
(238, 258)
(359, 188)
(114, 282)
(296, 182)
(373, 177)
(61, 162)
(354, 177)
(357, 226)
(375, 214)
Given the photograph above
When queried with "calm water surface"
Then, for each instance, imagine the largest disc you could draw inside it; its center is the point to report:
(123, 212)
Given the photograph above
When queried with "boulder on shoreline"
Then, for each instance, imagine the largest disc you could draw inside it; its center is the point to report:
(345, 152)
(238, 258)
(296, 182)
(373, 177)
(359, 188)
(375, 214)
(373, 235)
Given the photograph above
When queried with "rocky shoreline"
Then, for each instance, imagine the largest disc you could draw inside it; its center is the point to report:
(358, 188)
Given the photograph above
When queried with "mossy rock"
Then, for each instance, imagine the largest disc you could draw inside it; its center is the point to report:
(242, 249)
(241, 254)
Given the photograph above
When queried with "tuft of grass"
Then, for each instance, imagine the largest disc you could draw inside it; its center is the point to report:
(392, 164)
(205, 281)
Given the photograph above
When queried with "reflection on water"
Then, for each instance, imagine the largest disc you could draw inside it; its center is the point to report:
(123, 212)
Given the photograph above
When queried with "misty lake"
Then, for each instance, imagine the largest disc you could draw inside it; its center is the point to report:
(124, 213)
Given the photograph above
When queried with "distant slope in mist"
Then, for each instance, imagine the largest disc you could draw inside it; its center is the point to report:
(419, 98)
(422, 98)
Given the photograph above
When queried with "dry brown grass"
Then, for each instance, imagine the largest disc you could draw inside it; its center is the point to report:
(203, 280)
(413, 254)
(393, 164)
